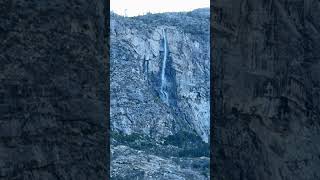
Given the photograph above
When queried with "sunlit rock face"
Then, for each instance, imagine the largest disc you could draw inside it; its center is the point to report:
(160, 88)
(267, 66)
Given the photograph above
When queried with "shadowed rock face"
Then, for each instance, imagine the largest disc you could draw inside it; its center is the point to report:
(52, 95)
(267, 90)
(160, 95)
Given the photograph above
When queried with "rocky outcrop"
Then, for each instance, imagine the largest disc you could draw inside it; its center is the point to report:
(266, 90)
(160, 92)
(143, 165)
(52, 89)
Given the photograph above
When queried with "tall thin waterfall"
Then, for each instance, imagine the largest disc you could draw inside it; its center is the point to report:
(164, 94)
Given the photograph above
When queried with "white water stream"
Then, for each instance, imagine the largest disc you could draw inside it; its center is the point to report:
(164, 94)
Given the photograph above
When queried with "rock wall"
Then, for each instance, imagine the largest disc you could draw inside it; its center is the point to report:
(266, 89)
(143, 73)
(138, 43)
(52, 89)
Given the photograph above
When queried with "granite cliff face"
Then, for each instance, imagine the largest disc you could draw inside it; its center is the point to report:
(160, 95)
(267, 68)
(53, 73)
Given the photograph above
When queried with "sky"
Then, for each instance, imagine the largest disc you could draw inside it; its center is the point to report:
(139, 7)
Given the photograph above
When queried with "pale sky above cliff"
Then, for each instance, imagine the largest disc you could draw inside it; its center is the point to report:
(139, 7)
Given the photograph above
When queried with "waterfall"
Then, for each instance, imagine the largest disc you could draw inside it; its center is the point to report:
(164, 94)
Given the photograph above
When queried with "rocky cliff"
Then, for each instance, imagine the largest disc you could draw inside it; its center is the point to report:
(160, 95)
(53, 73)
(266, 63)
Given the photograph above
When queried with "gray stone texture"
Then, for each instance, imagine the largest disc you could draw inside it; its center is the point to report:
(266, 90)
(152, 138)
(53, 76)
